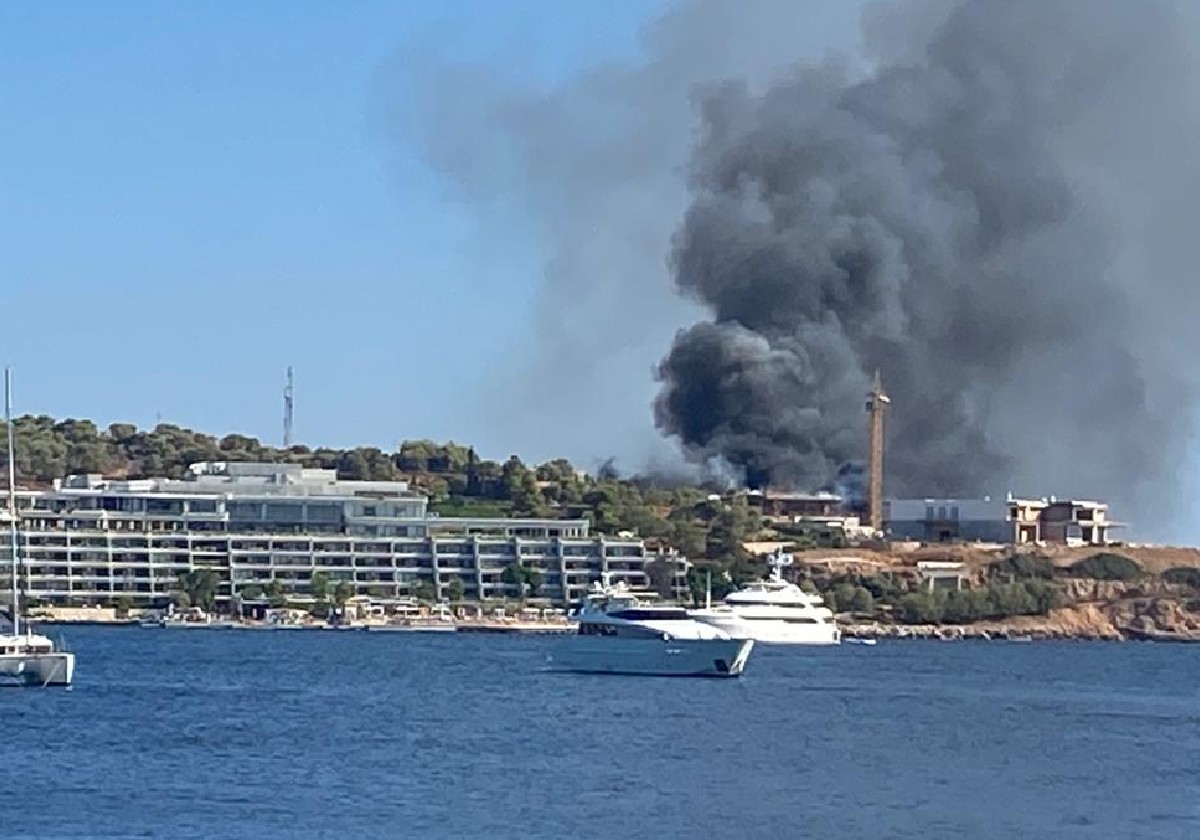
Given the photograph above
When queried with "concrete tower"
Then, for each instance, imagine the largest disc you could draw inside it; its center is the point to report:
(876, 404)
(289, 406)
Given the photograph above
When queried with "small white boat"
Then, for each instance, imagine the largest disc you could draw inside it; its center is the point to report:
(26, 658)
(195, 618)
(620, 634)
(774, 611)
(856, 641)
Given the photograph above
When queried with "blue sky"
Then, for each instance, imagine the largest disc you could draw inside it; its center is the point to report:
(194, 196)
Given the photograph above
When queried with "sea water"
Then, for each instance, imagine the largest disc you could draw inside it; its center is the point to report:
(274, 734)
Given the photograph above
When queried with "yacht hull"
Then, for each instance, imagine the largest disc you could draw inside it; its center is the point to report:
(772, 632)
(37, 669)
(652, 657)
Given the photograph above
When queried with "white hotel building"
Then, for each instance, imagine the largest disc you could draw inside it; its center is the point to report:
(91, 540)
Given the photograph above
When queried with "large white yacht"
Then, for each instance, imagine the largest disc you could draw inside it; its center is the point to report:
(622, 634)
(26, 658)
(774, 611)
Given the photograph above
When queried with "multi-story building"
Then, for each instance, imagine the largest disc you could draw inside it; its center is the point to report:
(90, 540)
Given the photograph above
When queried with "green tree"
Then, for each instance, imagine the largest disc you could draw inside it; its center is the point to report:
(319, 586)
(690, 537)
(200, 586)
(1046, 596)
(699, 576)
(343, 591)
(882, 588)
(845, 593)
(455, 590)
(1023, 567)
(963, 607)
(1106, 566)
(426, 591)
(662, 577)
(534, 580)
(603, 504)
(862, 600)
(729, 529)
(251, 591)
(276, 593)
(415, 455)
(525, 579)
(922, 607)
(519, 486)
(1183, 575)
(829, 597)
(124, 605)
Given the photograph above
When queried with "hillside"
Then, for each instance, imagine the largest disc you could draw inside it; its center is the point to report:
(876, 579)
(456, 480)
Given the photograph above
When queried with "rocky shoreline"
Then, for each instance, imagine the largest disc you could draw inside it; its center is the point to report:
(970, 632)
(1095, 611)
(1024, 632)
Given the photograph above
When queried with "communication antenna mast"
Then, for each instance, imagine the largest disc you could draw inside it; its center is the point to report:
(876, 404)
(288, 407)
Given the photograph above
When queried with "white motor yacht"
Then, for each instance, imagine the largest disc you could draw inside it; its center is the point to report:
(26, 659)
(622, 634)
(774, 611)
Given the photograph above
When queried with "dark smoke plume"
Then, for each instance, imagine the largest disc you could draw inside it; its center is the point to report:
(941, 220)
(995, 207)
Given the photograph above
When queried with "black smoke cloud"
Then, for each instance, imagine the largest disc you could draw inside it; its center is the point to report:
(937, 219)
(995, 207)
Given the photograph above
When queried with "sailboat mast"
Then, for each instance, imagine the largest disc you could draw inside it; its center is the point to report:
(12, 497)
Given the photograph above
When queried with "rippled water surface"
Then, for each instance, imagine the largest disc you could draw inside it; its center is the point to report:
(234, 734)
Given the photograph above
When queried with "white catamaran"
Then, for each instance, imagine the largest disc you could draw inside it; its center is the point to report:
(26, 659)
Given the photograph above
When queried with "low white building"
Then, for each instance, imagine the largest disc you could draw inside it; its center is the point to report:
(948, 520)
(941, 574)
(1011, 520)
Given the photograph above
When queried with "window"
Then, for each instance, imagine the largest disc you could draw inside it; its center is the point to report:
(323, 512)
(283, 512)
(245, 510)
(954, 512)
(168, 506)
